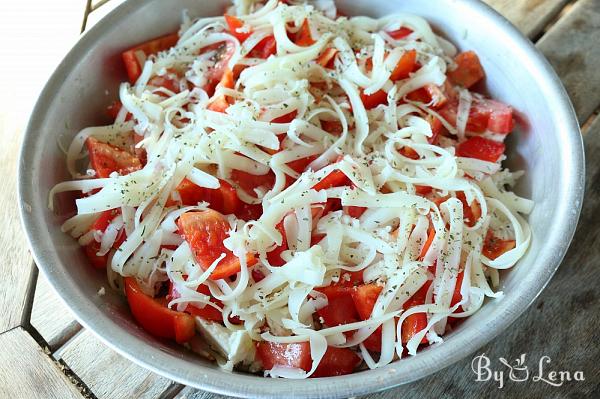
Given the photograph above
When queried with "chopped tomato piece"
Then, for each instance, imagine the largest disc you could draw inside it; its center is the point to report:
(249, 211)
(249, 182)
(272, 151)
(469, 70)
(493, 115)
(405, 66)
(420, 95)
(480, 148)
(364, 298)
(409, 153)
(401, 33)
(471, 213)
(265, 48)
(296, 355)
(300, 165)
(101, 224)
(350, 279)
(287, 118)
(327, 58)
(316, 238)
(373, 100)
(139, 152)
(91, 250)
(219, 105)
(493, 246)
(236, 26)
(430, 94)
(336, 361)
(369, 64)
(106, 158)
(423, 190)
(207, 312)
(223, 53)
(484, 114)
(223, 199)
(222, 102)
(332, 205)
(418, 321)
(274, 257)
(332, 127)
(355, 211)
(112, 111)
(337, 178)
(257, 275)
(134, 57)
(501, 117)
(436, 128)
(155, 317)
(430, 237)
(438, 97)
(304, 37)
(105, 218)
(457, 296)
(205, 231)
(340, 308)
(168, 81)
(373, 341)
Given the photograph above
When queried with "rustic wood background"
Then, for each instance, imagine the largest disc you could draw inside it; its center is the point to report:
(47, 354)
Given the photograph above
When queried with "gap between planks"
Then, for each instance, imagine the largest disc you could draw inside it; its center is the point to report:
(552, 20)
(571, 47)
(530, 16)
(51, 317)
(48, 379)
(18, 277)
(29, 297)
(110, 375)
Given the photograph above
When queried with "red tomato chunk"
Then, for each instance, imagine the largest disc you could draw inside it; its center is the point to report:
(223, 199)
(205, 231)
(336, 361)
(480, 148)
(468, 71)
(133, 57)
(106, 158)
(155, 317)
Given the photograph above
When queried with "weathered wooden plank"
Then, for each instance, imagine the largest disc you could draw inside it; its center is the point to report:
(50, 317)
(571, 46)
(530, 16)
(15, 261)
(27, 372)
(107, 374)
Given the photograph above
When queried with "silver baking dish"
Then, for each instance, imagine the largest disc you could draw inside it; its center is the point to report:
(547, 146)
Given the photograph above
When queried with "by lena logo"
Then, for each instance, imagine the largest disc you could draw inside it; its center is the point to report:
(518, 371)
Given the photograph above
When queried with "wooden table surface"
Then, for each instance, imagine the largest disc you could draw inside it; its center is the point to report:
(45, 353)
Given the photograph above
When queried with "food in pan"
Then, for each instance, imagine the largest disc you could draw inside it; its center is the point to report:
(289, 190)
